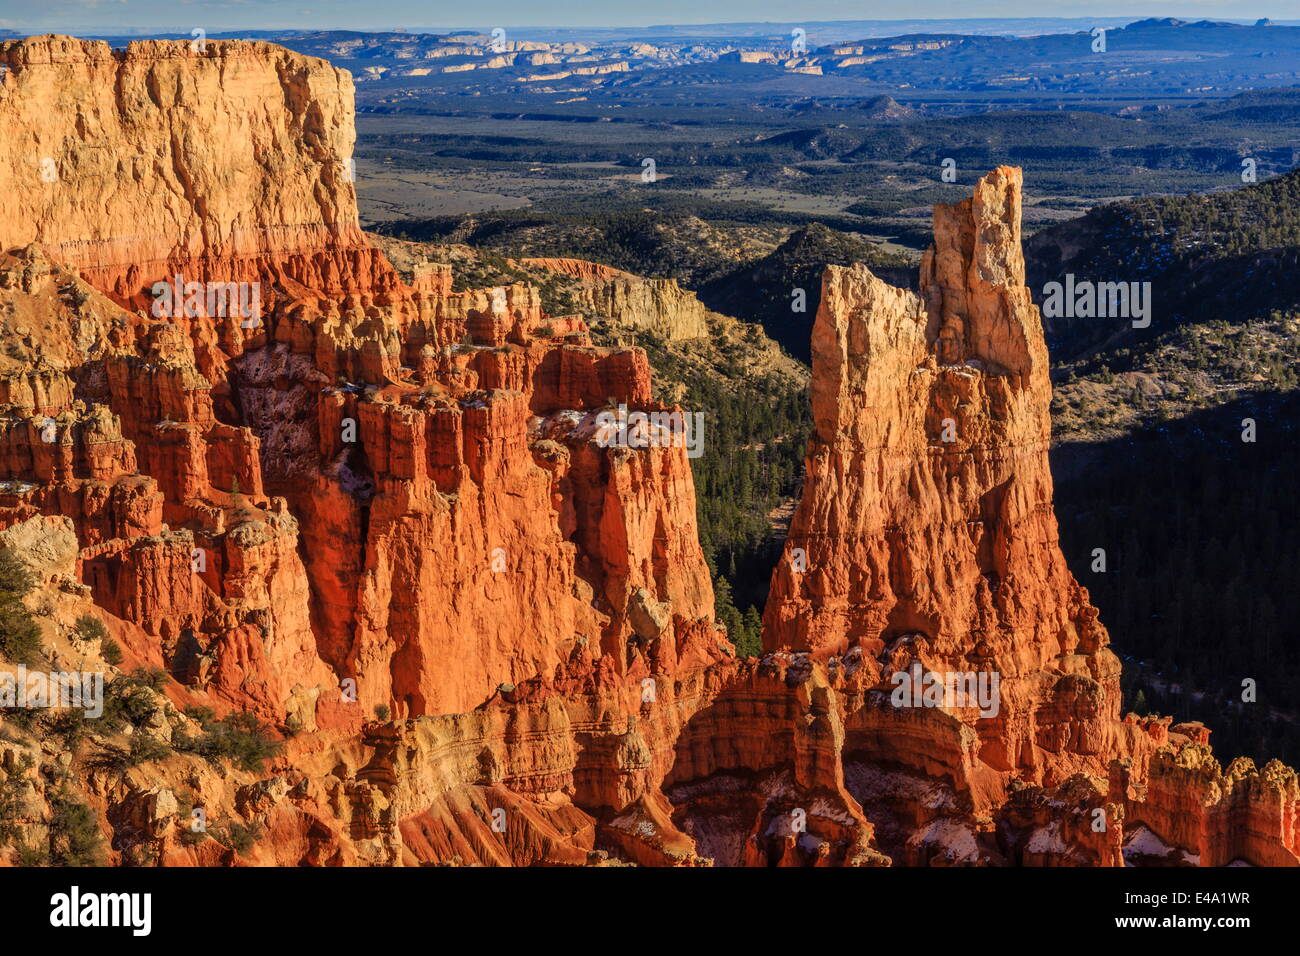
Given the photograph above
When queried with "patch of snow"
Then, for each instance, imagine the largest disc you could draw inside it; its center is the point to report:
(809, 843)
(1143, 842)
(1045, 840)
(956, 840)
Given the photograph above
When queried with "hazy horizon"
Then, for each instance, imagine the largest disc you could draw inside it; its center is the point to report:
(107, 17)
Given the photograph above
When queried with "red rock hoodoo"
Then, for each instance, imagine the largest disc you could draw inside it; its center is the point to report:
(925, 538)
(378, 515)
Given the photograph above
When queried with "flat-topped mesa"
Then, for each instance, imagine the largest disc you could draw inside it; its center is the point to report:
(138, 164)
(412, 488)
(386, 482)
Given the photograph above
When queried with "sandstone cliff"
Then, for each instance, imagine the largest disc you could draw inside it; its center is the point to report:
(379, 498)
(660, 306)
(201, 174)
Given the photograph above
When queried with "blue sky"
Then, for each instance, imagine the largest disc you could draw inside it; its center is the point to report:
(105, 16)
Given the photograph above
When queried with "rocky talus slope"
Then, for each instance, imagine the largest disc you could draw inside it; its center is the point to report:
(378, 516)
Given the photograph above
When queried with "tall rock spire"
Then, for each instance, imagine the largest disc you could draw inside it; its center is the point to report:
(926, 531)
(925, 548)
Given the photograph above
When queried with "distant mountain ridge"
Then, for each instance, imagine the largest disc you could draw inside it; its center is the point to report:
(1151, 55)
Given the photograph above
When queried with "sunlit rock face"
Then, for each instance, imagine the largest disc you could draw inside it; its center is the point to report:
(925, 543)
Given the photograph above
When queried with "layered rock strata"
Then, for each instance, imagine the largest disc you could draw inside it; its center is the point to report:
(377, 498)
(660, 306)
